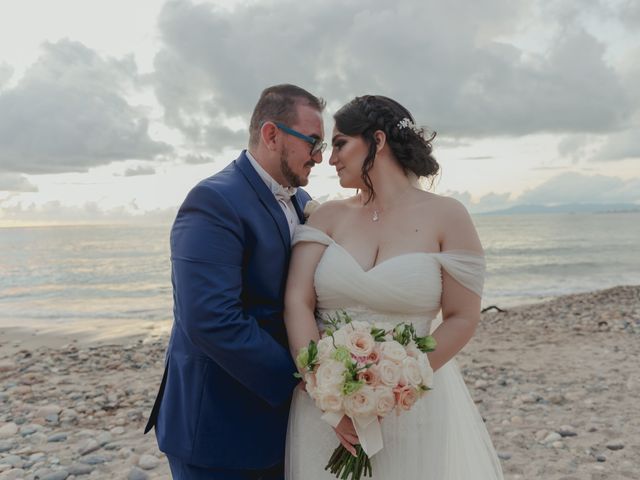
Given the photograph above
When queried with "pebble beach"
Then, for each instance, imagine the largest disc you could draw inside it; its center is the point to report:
(556, 382)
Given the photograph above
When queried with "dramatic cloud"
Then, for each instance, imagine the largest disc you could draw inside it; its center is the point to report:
(459, 74)
(11, 182)
(69, 113)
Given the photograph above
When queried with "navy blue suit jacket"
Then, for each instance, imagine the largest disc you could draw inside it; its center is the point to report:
(224, 400)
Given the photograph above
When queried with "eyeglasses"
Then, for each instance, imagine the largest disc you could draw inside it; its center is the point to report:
(317, 145)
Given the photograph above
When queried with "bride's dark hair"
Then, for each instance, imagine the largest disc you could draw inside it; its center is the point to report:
(410, 145)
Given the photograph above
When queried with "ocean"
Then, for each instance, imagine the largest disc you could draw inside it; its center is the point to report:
(74, 273)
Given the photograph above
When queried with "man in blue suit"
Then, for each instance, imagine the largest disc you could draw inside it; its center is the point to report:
(222, 409)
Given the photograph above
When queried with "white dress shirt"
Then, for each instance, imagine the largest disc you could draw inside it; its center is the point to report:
(283, 194)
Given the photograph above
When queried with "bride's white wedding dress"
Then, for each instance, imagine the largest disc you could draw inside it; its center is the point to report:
(443, 436)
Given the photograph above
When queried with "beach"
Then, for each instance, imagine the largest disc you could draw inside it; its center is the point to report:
(556, 382)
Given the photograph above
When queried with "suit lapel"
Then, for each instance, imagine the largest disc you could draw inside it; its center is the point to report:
(266, 198)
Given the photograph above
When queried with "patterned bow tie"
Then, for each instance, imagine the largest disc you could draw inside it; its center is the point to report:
(283, 193)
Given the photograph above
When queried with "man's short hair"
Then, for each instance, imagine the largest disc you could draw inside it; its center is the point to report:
(279, 103)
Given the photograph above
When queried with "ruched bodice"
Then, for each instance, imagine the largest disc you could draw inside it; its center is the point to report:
(404, 288)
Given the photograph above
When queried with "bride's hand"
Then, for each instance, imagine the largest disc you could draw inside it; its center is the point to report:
(347, 435)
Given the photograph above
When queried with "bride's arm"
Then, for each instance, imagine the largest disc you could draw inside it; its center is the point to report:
(460, 306)
(300, 296)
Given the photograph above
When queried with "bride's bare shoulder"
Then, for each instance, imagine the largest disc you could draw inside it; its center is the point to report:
(443, 204)
(325, 215)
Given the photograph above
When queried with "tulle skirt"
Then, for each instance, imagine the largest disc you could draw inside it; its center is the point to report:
(443, 437)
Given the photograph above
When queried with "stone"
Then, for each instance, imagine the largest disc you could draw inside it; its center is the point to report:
(47, 410)
(567, 431)
(148, 462)
(88, 446)
(94, 459)
(615, 445)
(13, 474)
(601, 458)
(80, 469)
(5, 445)
(504, 455)
(136, 474)
(8, 430)
(552, 437)
(57, 437)
(58, 475)
(117, 430)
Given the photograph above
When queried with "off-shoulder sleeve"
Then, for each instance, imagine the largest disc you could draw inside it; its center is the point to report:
(305, 233)
(467, 268)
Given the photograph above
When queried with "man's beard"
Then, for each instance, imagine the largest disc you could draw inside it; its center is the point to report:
(293, 179)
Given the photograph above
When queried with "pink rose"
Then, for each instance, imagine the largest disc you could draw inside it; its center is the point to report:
(330, 375)
(405, 397)
(374, 356)
(360, 343)
(329, 400)
(370, 376)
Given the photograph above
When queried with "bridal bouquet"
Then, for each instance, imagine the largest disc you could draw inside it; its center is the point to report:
(364, 372)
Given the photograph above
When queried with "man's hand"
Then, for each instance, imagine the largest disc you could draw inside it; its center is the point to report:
(347, 435)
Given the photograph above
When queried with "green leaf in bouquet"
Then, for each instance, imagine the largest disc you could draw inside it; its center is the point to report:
(378, 334)
(426, 344)
(342, 354)
(350, 387)
(403, 333)
(302, 360)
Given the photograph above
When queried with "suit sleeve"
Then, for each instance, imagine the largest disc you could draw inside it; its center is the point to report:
(206, 255)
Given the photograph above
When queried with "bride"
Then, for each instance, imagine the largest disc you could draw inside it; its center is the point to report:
(392, 253)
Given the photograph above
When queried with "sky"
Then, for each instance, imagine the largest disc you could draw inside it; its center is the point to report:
(112, 111)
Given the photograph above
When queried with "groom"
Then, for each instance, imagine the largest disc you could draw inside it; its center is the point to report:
(221, 412)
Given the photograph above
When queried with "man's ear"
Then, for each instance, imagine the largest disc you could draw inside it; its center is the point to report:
(269, 135)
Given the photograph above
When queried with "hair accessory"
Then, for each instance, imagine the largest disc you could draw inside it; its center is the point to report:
(406, 123)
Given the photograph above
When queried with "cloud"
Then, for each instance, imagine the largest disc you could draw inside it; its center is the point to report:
(140, 170)
(11, 182)
(572, 187)
(196, 159)
(69, 113)
(6, 72)
(55, 212)
(459, 74)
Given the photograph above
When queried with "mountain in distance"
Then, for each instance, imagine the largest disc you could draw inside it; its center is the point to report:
(567, 208)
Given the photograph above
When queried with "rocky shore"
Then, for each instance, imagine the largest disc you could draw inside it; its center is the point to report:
(557, 383)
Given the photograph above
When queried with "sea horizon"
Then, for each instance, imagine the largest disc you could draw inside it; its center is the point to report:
(61, 274)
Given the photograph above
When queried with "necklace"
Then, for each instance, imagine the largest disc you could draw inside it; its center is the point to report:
(375, 216)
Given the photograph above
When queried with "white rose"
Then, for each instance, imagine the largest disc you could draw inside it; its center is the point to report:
(329, 400)
(325, 348)
(426, 372)
(393, 351)
(310, 207)
(389, 373)
(360, 343)
(330, 375)
(361, 403)
(385, 401)
(411, 373)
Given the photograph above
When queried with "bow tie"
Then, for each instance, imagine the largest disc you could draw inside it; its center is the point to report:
(283, 193)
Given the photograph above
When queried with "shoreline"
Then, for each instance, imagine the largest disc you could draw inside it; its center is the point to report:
(556, 383)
